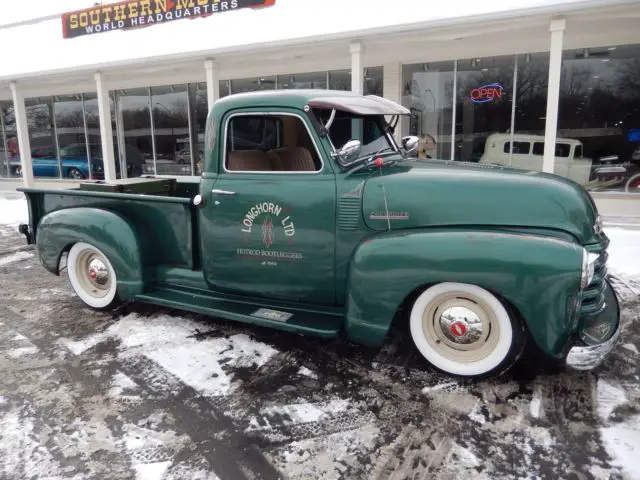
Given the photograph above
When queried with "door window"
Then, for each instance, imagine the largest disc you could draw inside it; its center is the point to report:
(269, 143)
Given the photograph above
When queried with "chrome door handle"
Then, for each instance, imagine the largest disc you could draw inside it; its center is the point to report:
(215, 191)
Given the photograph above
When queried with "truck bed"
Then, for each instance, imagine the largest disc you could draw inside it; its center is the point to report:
(167, 224)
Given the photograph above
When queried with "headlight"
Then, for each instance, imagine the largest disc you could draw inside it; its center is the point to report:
(597, 227)
(588, 268)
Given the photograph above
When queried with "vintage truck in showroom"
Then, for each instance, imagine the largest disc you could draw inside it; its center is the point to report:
(309, 217)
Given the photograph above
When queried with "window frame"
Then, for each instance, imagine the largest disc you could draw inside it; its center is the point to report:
(274, 113)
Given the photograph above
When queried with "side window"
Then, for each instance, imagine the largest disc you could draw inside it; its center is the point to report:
(538, 148)
(563, 150)
(578, 153)
(518, 147)
(269, 143)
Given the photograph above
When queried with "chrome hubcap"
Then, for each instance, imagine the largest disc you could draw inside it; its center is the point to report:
(93, 273)
(461, 325)
(98, 273)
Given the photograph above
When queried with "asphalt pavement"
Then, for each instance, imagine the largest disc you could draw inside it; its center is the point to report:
(149, 393)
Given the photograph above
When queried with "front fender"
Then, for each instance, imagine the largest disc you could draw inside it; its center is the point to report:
(112, 233)
(539, 276)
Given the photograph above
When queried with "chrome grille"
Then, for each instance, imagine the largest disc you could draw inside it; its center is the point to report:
(594, 295)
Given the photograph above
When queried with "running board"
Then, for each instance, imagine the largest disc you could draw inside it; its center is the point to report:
(206, 303)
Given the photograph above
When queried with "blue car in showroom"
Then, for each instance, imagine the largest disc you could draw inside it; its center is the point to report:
(74, 161)
(73, 158)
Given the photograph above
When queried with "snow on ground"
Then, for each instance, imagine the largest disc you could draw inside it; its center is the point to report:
(13, 209)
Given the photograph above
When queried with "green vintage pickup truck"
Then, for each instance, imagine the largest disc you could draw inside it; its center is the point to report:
(309, 217)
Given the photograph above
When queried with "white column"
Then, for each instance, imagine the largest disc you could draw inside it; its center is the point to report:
(392, 89)
(106, 132)
(213, 82)
(556, 28)
(357, 81)
(22, 130)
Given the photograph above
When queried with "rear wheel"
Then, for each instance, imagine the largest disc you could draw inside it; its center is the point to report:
(464, 330)
(633, 184)
(92, 276)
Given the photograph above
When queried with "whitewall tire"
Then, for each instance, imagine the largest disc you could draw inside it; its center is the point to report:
(92, 276)
(464, 330)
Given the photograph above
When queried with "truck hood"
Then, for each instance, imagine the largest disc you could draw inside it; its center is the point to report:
(436, 193)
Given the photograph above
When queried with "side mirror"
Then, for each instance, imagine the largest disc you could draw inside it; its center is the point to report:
(349, 152)
(410, 143)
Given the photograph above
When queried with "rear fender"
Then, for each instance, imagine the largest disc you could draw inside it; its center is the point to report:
(112, 233)
(537, 275)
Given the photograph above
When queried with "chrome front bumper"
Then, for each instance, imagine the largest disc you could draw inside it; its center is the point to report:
(588, 357)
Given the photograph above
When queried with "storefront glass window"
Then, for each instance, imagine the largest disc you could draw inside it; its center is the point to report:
(9, 159)
(599, 115)
(373, 81)
(253, 84)
(135, 140)
(314, 80)
(44, 152)
(483, 104)
(340, 80)
(70, 132)
(428, 94)
(171, 130)
(92, 119)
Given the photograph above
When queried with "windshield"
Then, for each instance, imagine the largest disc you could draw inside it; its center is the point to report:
(369, 129)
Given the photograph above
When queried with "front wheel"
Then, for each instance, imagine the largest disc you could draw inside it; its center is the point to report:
(92, 276)
(464, 330)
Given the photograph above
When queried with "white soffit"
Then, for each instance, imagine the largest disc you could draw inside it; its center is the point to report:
(246, 30)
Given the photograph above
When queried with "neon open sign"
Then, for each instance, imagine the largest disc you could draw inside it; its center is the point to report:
(487, 93)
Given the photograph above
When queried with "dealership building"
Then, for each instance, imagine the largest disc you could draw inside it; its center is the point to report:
(122, 90)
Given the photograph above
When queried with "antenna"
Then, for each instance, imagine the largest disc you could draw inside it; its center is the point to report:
(384, 196)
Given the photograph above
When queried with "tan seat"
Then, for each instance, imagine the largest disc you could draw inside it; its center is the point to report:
(248, 161)
(293, 159)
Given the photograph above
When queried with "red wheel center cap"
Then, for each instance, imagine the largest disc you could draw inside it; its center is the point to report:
(93, 274)
(458, 329)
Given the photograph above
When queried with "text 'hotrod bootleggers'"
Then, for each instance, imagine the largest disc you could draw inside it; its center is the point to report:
(143, 13)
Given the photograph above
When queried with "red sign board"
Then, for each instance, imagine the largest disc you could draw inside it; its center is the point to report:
(144, 13)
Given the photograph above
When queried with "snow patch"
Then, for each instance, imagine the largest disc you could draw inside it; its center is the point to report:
(22, 351)
(15, 257)
(631, 347)
(13, 210)
(535, 406)
(449, 386)
(476, 415)
(307, 373)
(609, 397)
(120, 383)
(297, 413)
(21, 456)
(151, 471)
(623, 251)
(622, 442)
(169, 342)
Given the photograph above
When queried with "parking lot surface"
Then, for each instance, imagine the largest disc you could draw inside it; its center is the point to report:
(149, 393)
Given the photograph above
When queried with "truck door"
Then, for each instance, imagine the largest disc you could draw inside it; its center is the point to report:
(268, 228)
